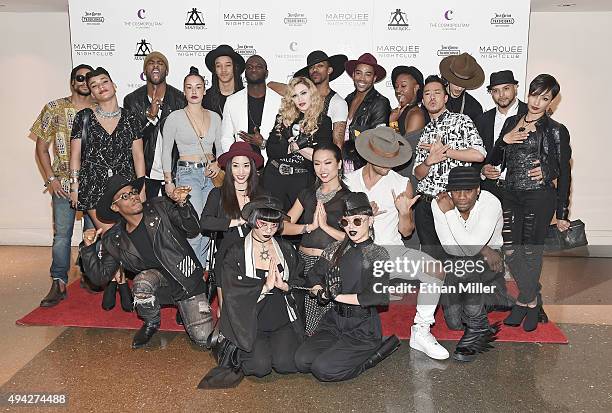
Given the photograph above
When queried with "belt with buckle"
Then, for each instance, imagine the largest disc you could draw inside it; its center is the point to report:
(426, 197)
(347, 310)
(285, 169)
(192, 164)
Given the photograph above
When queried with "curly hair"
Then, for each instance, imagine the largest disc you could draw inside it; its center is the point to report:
(289, 112)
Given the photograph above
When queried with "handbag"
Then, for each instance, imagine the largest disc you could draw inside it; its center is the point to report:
(574, 237)
(217, 180)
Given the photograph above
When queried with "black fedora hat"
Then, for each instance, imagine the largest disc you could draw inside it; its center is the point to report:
(463, 177)
(114, 185)
(224, 50)
(336, 61)
(356, 203)
(407, 70)
(502, 77)
(262, 202)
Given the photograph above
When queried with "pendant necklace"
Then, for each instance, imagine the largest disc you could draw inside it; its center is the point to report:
(525, 123)
(264, 253)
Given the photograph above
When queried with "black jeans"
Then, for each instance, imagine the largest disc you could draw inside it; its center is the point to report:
(271, 350)
(426, 229)
(527, 215)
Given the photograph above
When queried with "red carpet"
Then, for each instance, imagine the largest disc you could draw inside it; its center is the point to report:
(82, 309)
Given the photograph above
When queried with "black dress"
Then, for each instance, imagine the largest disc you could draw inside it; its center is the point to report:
(105, 155)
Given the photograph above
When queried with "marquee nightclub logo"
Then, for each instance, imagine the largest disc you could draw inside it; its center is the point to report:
(445, 51)
(295, 19)
(143, 48)
(195, 20)
(193, 49)
(347, 18)
(398, 51)
(245, 50)
(398, 21)
(92, 18)
(448, 22)
(502, 20)
(244, 19)
(143, 22)
(501, 51)
(94, 49)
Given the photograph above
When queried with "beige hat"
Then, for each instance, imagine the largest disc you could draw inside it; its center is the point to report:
(384, 147)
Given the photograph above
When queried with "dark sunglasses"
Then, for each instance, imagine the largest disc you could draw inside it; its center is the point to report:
(126, 195)
(356, 222)
(79, 78)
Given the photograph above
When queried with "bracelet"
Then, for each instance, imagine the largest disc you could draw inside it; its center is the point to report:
(394, 125)
(75, 173)
(74, 180)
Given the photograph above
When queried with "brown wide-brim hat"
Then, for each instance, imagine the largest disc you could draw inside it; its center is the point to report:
(384, 147)
(463, 71)
(336, 62)
(263, 202)
(366, 59)
(114, 185)
(240, 149)
(224, 50)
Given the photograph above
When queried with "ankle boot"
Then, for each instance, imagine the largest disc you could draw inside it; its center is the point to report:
(387, 347)
(516, 316)
(110, 296)
(127, 299)
(532, 317)
(143, 336)
(474, 342)
(55, 294)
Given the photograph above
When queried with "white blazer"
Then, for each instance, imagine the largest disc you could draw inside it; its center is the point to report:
(235, 117)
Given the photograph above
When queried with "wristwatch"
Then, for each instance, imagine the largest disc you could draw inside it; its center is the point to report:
(263, 144)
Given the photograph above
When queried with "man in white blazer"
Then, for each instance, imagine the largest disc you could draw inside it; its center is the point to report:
(250, 113)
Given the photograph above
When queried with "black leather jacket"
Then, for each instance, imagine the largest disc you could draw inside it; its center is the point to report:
(169, 226)
(554, 153)
(373, 111)
(138, 103)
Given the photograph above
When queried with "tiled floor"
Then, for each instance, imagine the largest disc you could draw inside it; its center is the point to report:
(99, 372)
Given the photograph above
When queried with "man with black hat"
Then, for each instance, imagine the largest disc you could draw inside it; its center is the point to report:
(469, 223)
(503, 89)
(368, 109)
(152, 103)
(462, 72)
(150, 240)
(226, 67)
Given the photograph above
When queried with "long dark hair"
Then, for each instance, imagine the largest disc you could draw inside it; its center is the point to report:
(214, 93)
(228, 190)
(333, 148)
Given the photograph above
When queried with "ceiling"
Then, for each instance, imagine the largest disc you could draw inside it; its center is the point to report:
(25, 6)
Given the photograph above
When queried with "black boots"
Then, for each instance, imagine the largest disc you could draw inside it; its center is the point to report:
(387, 347)
(143, 336)
(474, 342)
(110, 296)
(55, 294)
(127, 299)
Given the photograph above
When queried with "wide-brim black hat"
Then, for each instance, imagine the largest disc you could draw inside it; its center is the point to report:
(463, 178)
(114, 185)
(407, 70)
(263, 202)
(356, 203)
(503, 77)
(224, 50)
(336, 62)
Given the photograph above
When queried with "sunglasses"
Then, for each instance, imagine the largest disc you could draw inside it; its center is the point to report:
(267, 225)
(79, 78)
(126, 195)
(356, 222)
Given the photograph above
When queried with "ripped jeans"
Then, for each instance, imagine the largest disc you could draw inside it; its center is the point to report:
(527, 215)
(195, 310)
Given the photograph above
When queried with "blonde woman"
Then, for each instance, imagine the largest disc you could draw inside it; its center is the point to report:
(300, 125)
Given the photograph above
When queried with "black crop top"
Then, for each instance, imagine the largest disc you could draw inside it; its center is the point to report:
(334, 208)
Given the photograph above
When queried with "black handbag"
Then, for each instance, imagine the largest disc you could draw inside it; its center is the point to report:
(574, 237)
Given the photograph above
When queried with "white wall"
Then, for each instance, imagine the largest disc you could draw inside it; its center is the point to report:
(35, 63)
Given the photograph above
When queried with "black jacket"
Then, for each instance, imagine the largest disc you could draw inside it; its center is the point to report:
(471, 106)
(169, 226)
(373, 111)
(555, 153)
(138, 103)
(240, 294)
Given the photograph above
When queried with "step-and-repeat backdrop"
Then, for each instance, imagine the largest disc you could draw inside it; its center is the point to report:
(119, 34)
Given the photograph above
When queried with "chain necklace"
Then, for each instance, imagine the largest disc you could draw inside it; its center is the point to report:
(108, 115)
(525, 123)
(324, 198)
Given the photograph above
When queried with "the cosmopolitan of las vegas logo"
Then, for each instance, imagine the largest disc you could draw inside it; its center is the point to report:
(194, 20)
(141, 21)
(499, 51)
(398, 51)
(502, 20)
(347, 18)
(295, 19)
(193, 49)
(245, 50)
(244, 19)
(398, 21)
(92, 18)
(448, 50)
(449, 20)
(94, 49)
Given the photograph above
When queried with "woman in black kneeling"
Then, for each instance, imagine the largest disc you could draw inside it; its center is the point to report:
(259, 314)
(349, 338)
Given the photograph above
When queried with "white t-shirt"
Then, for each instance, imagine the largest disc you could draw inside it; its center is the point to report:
(386, 224)
(338, 109)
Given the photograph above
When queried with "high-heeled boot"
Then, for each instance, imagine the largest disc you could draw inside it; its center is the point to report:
(127, 299)
(110, 296)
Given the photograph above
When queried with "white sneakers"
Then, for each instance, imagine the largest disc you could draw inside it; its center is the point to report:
(422, 340)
